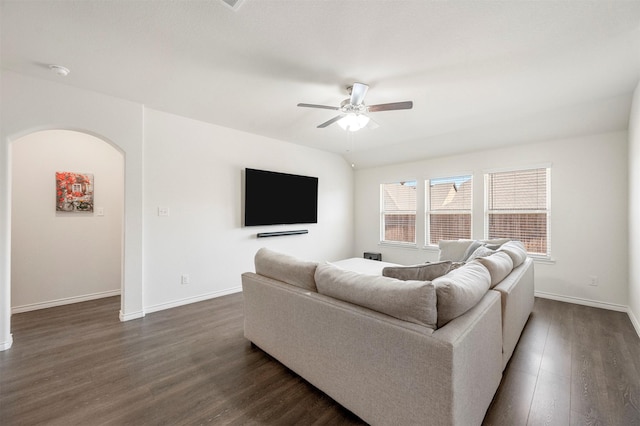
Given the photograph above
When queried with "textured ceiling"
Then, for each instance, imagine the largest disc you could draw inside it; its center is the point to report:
(481, 73)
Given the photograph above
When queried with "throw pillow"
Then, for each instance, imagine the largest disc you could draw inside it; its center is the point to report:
(413, 301)
(481, 251)
(423, 272)
(460, 290)
(515, 250)
(472, 247)
(499, 266)
(453, 250)
(283, 267)
(496, 241)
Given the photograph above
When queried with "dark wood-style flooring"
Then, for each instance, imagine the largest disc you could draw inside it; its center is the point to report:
(79, 365)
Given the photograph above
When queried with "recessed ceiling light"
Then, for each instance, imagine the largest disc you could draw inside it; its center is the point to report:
(60, 70)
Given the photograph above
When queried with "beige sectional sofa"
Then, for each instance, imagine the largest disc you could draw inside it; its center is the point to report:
(393, 351)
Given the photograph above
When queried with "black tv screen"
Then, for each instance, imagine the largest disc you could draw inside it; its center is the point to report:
(273, 198)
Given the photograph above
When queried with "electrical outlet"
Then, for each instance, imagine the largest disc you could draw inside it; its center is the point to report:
(184, 279)
(593, 281)
(163, 211)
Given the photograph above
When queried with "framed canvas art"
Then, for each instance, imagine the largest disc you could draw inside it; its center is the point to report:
(74, 192)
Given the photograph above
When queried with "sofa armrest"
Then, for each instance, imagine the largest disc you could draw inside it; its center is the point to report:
(476, 340)
(517, 298)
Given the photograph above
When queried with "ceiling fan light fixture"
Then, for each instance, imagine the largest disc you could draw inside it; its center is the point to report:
(353, 114)
(353, 122)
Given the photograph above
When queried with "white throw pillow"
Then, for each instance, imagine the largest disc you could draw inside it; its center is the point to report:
(453, 250)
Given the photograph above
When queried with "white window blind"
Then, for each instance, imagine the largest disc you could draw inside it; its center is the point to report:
(449, 202)
(398, 218)
(518, 207)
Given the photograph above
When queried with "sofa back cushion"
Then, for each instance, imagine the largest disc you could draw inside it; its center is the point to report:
(413, 301)
(460, 290)
(422, 272)
(499, 266)
(288, 269)
(516, 251)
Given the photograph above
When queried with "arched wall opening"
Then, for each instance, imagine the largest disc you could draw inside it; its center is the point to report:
(60, 257)
(32, 104)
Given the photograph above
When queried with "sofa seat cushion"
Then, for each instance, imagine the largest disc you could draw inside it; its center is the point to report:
(413, 301)
(364, 266)
(515, 250)
(288, 269)
(460, 290)
(422, 272)
(499, 266)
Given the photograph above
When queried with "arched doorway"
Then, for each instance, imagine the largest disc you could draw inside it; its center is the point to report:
(58, 256)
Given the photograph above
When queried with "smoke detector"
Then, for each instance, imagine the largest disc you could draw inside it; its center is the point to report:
(60, 70)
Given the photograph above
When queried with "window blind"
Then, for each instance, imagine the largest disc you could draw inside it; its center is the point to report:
(449, 208)
(398, 218)
(518, 207)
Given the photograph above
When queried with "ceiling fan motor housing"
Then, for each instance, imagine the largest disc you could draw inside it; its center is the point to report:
(347, 107)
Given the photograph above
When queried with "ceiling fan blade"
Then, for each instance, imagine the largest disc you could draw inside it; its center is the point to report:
(390, 107)
(318, 106)
(328, 123)
(358, 92)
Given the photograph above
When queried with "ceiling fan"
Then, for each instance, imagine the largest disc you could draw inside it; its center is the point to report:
(353, 112)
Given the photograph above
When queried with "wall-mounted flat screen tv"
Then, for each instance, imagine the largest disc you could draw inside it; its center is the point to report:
(273, 198)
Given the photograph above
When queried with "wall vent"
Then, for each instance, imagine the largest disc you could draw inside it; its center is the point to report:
(233, 4)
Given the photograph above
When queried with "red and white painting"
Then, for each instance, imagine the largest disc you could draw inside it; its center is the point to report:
(74, 192)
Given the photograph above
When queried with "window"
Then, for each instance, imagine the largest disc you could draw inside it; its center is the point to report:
(518, 207)
(448, 208)
(398, 217)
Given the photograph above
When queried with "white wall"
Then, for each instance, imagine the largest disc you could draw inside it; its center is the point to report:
(588, 219)
(65, 257)
(195, 169)
(202, 236)
(31, 104)
(634, 211)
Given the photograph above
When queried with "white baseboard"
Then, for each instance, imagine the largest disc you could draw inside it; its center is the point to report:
(130, 316)
(188, 300)
(65, 301)
(634, 321)
(581, 301)
(593, 304)
(6, 344)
